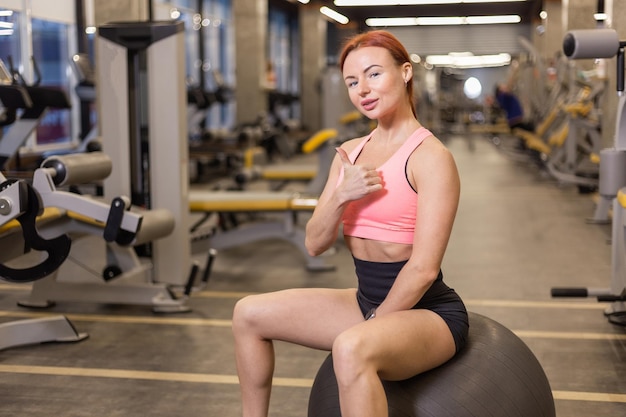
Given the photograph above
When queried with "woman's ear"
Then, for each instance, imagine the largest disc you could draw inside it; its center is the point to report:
(407, 72)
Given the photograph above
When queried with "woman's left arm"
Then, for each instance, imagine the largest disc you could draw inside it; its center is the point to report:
(435, 176)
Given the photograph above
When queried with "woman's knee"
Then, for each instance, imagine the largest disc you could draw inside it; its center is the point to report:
(351, 356)
(246, 313)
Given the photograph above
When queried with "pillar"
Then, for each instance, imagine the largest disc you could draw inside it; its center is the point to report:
(250, 19)
(551, 42)
(313, 61)
(106, 11)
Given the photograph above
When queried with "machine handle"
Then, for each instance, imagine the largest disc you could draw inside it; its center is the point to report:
(570, 292)
(57, 248)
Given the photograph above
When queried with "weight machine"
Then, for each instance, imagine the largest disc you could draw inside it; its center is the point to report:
(37, 230)
(604, 43)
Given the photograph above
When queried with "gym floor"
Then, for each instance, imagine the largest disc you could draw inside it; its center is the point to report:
(517, 235)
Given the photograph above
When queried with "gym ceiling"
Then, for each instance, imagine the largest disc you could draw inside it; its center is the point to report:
(526, 9)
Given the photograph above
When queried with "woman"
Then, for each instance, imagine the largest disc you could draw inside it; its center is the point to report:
(402, 320)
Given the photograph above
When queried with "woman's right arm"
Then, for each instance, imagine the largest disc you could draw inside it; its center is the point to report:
(357, 182)
(323, 226)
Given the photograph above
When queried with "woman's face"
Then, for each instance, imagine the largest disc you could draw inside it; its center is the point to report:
(376, 84)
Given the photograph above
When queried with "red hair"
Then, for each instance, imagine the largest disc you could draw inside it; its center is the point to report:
(382, 39)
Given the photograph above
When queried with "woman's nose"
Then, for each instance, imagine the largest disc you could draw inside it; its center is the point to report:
(363, 88)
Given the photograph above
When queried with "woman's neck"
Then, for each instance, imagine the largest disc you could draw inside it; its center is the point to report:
(398, 130)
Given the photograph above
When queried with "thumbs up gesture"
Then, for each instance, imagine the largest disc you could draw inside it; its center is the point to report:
(358, 180)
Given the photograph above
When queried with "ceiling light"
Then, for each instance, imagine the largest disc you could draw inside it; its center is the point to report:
(441, 21)
(468, 60)
(338, 17)
(411, 2)
(489, 1)
(391, 21)
(489, 20)
(391, 2)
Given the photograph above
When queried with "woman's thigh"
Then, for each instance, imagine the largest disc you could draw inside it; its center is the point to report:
(405, 343)
(310, 317)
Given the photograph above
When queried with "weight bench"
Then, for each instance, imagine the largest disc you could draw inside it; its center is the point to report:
(316, 175)
(288, 204)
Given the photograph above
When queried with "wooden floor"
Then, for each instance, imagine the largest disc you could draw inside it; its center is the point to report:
(517, 235)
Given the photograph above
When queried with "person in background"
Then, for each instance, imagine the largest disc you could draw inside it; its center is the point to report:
(512, 107)
(510, 103)
(395, 191)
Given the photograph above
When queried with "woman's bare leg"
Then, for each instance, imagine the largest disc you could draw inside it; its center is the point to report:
(392, 347)
(308, 317)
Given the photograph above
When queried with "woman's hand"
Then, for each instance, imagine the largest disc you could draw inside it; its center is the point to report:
(358, 180)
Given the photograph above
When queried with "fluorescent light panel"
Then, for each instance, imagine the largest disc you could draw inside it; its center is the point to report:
(490, 20)
(411, 2)
(441, 21)
(338, 17)
(468, 60)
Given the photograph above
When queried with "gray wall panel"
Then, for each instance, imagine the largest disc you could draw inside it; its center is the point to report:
(478, 39)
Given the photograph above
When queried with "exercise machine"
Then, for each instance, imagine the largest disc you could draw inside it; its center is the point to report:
(86, 91)
(20, 211)
(118, 275)
(20, 214)
(575, 147)
(322, 144)
(604, 43)
(142, 122)
(33, 101)
(142, 115)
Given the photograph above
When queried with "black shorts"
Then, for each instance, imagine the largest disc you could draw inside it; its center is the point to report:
(376, 278)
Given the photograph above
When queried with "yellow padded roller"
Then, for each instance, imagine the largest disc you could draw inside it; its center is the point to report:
(251, 154)
(288, 173)
(621, 197)
(545, 124)
(319, 139)
(350, 117)
(500, 127)
(85, 219)
(532, 141)
(236, 201)
(558, 138)
(579, 109)
(50, 213)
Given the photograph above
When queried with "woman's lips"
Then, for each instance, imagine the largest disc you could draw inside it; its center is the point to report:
(369, 104)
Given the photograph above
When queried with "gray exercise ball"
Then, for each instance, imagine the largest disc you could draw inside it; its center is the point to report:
(495, 375)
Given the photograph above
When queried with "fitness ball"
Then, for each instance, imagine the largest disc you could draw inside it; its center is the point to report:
(495, 375)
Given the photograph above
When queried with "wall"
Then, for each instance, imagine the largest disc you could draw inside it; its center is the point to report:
(106, 11)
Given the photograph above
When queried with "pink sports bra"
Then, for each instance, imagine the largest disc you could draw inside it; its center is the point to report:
(389, 214)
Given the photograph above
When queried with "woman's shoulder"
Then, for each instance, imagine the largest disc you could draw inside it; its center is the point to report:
(432, 150)
(351, 144)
